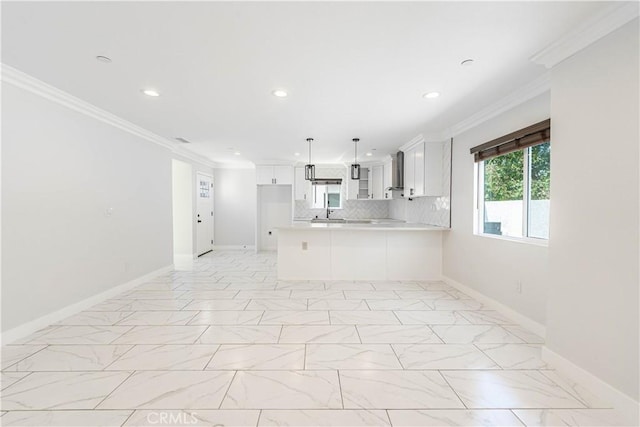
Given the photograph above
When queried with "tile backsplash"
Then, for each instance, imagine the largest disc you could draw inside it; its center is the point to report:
(353, 209)
(426, 210)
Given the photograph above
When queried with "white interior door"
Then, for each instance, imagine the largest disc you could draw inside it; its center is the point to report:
(204, 214)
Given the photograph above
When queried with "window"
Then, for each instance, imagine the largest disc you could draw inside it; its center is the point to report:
(204, 189)
(323, 193)
(513, 184)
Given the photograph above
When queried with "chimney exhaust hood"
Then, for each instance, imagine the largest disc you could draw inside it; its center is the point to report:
(397, 172)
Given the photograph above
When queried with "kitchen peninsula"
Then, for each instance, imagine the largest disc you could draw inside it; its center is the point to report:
(360, 250)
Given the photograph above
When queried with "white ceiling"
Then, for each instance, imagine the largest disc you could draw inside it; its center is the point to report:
(354, 69)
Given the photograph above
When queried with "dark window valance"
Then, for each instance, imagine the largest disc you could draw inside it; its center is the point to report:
(523, 138)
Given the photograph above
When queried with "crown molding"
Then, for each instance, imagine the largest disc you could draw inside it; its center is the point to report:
(413, 141)
(529, 91)
(29, 83)
(274, 163)
(230, 166)
(188, 154)
(601, 24)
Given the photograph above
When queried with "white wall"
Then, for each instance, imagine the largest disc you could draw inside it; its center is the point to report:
(183, 195)
(61, 172)
(489, 265)
(274, 210)
(235, 207)
(593, 282)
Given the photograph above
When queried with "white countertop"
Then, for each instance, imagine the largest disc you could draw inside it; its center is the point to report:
(377, 225)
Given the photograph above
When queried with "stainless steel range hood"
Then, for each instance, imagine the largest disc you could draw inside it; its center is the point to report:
(397, 172)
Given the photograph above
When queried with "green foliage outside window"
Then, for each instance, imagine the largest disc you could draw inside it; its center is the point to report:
(540, 171)
(504, 175)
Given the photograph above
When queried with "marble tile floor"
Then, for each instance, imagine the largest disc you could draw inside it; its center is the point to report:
(224, 343)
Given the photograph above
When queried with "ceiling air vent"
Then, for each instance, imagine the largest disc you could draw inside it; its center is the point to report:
(184, 141)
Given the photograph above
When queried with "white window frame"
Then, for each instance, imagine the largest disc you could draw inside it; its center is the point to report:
(478, 202)
(315, 194)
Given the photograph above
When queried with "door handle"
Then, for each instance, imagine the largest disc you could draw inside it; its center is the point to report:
(199, 221)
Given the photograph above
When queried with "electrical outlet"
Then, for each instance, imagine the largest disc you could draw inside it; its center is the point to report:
(304, 246)
(519, 286)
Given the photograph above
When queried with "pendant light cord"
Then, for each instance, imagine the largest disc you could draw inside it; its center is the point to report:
(355, 154)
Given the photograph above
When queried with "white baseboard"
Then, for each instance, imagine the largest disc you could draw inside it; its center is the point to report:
(522, 320)
(629, 409)
(234, 247)
(42, 322)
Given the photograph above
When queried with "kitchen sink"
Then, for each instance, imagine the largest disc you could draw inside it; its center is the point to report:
(340, 221)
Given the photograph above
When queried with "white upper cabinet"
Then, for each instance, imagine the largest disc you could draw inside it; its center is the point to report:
(353, 185)
(434, 163)
(387, 179)
(370, 186)
(283, 175)
(301, 186)
(414, 170)
(376, 182)
(264, 175)
(274, 175)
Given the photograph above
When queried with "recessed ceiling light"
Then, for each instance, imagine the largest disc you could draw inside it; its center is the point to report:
(296, 154)
(369, 154)
(151, 92)
(467, 62)
(431, 95)
(280, 93)
(237, 153)
(104, 59)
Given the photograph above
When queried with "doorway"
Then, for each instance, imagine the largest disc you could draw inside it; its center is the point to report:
(204, 213)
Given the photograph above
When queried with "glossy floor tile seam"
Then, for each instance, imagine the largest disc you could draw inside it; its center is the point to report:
(358, 333)
(397, 317)
(227, 389)
(113, 391)
(340, 386)
(397, 357)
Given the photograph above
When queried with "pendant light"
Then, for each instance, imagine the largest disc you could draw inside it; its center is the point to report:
(310, 169)
(355, 167)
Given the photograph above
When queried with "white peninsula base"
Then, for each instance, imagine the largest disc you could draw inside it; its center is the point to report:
(331, 252)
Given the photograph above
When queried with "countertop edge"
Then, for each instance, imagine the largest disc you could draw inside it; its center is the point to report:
(363, 227)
